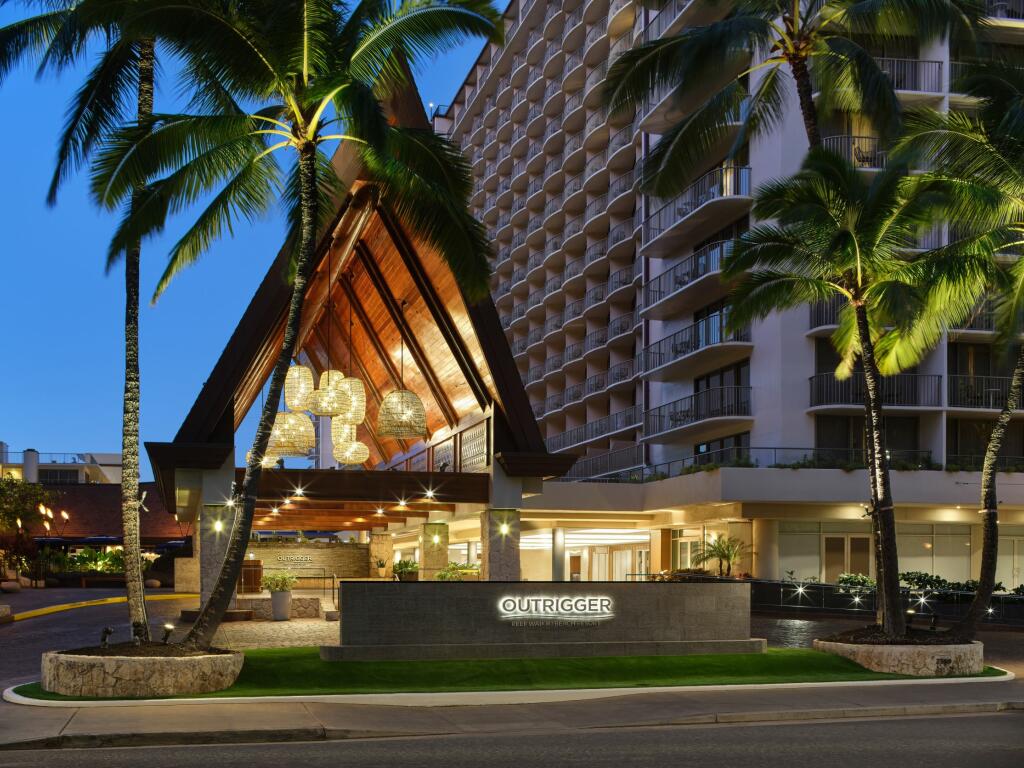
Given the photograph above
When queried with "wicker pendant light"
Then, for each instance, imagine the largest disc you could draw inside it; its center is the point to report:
(332, 397)
(298, 387)
(347, 449)
(292, 434)
(401, 412)
(354, 388)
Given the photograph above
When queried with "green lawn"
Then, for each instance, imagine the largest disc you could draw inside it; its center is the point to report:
(299, 671)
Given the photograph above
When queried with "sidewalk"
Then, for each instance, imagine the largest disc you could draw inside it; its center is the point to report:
(223, 722)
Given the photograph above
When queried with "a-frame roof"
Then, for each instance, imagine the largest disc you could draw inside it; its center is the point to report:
(374, 288)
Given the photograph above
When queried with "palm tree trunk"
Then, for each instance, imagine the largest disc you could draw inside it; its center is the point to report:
(893, 621)
(967, 627)
(130, 501)
(205, 627)
(873, 514)
(805, 92)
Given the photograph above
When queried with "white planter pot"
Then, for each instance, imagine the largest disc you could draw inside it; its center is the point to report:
(281, 605)
(382, 572)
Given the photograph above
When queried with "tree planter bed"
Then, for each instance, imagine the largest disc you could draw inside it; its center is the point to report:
(102, 673)
(918, 660)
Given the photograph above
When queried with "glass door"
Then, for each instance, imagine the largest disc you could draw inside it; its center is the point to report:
(1010, 562)
(844, 553)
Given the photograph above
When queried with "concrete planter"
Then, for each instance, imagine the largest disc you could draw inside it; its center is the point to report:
(281, 605)
(110, 677)
(915, 660)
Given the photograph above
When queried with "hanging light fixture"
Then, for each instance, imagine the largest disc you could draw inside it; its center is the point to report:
(347, 449)
(331, 398)
(401, 412)
(298, 387)
(292, 434)
(354, 388)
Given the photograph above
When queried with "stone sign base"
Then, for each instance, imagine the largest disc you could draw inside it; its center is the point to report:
(303, 607)
(508, 620)
(139, 677)
(915, 660)
(535, 650)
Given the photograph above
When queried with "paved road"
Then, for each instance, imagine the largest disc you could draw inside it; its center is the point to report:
(951, 742)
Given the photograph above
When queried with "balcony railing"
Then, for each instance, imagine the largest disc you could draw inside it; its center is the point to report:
(607, 463)
(826, 312)
(716, 184)
(983, 318)
(594, 430)
(707, 404)
(668, 14)
(913, 74)
(861, 151)
(702, 334)
(701, 262)
(904, 389)
(978, 391)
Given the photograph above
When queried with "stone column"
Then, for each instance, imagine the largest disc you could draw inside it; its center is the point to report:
(214, 523)
(433, 550)
(499, 545)
(661, 550)
(766, 549)
(471, 550)
(381, 548)
(558, 554)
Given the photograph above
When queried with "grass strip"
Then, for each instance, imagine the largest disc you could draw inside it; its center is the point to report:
(300, 672)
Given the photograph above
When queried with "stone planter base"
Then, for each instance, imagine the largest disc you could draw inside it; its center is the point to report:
(110, 677)
(915, 660)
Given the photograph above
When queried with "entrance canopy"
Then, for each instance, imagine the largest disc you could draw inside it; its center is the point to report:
(373, 292)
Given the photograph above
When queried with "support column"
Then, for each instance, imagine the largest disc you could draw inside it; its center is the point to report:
(499, 545)
(558, 554)
(30, 466)
(215, 521)
(766, 549)
(433, 550)
(661, 550)
(381, 549)
(471, 550)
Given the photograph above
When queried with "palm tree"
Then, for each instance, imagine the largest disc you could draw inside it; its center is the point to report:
(120, 84)
(840, 233)
(727, 550)
(987, 147)
(312, 73)
(753, 48)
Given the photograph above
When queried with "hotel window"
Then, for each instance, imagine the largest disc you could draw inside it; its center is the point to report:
(723, 450)
(58, 476)
(737, 375)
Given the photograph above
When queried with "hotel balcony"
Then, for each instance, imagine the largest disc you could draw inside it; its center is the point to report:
(619, 423)
(904, 390)
(693, 281)
(700, 347)
(978, 392)
(723, 194)
(864, 152)
(719, 408)
(980, 324)
(617, 461)
(824, 316)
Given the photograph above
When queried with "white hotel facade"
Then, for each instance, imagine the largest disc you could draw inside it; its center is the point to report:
(614, 311)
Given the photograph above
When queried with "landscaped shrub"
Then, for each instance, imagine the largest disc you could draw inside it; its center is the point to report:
(451, 572)
(855, 581)
(278, 582)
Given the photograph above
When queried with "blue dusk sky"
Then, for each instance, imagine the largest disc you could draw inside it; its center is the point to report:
(61, 373)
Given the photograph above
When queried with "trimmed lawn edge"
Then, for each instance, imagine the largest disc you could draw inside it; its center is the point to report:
(274, 672)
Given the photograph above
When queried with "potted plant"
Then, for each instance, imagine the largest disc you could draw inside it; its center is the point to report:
(382, 567)
(280, 587)
(407, 570)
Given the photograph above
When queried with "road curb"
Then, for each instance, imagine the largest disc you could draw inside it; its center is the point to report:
(48, 610)
(488, 698)
(322, 733)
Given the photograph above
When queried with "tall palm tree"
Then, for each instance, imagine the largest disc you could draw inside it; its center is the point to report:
(311, 72)
(754, 55)
(840, 233)
(119, 85)
(987, 147)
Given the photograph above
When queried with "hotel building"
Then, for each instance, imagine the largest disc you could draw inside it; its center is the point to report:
(613, 308)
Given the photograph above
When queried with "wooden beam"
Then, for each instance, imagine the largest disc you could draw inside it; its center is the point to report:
(437, 309)
(386, 487)
(398, 318)
(363, 319)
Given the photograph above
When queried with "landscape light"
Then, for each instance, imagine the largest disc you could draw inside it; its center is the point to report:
(168, 628)
(800, 590)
